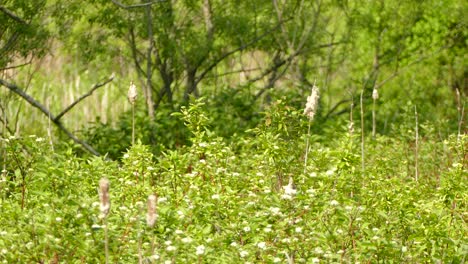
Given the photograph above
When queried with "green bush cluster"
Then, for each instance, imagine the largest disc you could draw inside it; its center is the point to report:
(231, 201)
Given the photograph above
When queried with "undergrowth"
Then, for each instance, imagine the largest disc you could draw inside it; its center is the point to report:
(228, 201)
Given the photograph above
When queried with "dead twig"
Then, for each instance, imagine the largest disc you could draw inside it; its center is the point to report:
(95, 87)
(17, 90)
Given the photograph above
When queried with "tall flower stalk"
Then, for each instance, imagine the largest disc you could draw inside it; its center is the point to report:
(309, 111)
(416, 144)
(363, 165)
(104, 207)
(132, 95)
(375, 96)
(151, 216)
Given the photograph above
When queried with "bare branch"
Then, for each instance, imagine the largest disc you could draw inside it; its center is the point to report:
(240, 48)
(95, 87)
(12, 15)
(288, 59)
(15, 89)
(15, 66)
(136, 5)
(401, 69)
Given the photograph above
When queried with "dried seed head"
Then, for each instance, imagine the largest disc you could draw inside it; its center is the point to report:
(132, 93)
(104, 196)
(375, 94)
(351, 127)
(312, 102)
(151, 214)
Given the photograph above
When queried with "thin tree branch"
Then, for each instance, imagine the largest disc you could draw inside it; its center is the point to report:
(15, 89)
(95, 87)
(240, 48)
(401, 69)
(335, 107)
(136, 5)
(12, 15)
(16, 66)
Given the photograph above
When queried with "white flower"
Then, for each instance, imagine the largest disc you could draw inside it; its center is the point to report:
(334, 203)
(312, 102)
(155, 257)
(162, 199)
(181, 214)
(132, 93)
(261, 245)
(267, 229)
(200, 250)
(95, 226)
(375, 94)
(318, 250)
(168, 262)
(289, 189)
(168, 243)
(215, 197)
(234, 244)
(171, 248)
(178, 232)
(298, 229)
(243, 253)
(187, 240)
(247, 229)
(39, 139)
(58, 219)
(404, 249)
(315, 260)
(276, 260)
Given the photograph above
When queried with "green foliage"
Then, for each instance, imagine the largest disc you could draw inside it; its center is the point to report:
(229, 202)
(228, 169)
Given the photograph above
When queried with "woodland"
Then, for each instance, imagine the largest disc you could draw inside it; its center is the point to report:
(210, 131)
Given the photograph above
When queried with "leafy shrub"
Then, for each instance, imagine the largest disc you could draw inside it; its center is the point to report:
(221, 201)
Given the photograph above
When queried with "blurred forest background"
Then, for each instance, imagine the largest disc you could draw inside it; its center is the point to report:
(242, 56)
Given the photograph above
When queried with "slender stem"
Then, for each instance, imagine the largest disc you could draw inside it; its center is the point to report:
(416, 167)
(133, 124)
(373, 119)
(461, 111)
(106, 240)
(363, 167)
(307, 146)
(140, 253)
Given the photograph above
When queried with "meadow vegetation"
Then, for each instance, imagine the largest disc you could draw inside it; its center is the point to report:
(233, 132)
